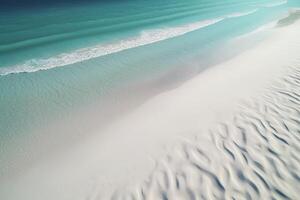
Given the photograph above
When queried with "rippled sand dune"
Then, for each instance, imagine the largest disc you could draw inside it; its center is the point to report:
(253, 156)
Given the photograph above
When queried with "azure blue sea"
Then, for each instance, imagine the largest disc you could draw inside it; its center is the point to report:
(59, 57)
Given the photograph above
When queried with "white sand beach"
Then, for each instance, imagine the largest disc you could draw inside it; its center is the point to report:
(231, 132)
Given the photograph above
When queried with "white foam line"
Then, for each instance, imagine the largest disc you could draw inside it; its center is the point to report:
(267, 26)
(276, 4)
(145, 38)
(262, 28)
(241, 14)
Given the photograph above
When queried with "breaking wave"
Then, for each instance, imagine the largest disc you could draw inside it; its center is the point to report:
(145, 38)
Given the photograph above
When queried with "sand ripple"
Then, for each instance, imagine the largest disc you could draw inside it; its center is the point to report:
(253, 156)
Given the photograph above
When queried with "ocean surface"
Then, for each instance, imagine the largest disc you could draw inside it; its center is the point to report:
(58, 57)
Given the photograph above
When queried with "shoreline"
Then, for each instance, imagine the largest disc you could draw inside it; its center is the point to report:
(210, 97)
(81, 124)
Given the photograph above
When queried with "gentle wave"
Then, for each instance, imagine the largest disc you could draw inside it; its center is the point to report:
(260, 29)
(145, 38)
(241, 14)
(276, 4)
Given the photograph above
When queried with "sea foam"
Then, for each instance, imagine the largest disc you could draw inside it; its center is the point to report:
(241, 14)
(144, 38)
(279, 3)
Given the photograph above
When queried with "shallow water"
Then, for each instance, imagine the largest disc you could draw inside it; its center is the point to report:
(84, 46)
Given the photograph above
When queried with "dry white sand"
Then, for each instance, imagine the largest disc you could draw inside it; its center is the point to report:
(224, 148)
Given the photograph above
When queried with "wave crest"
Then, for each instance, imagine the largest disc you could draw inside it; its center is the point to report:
(145, 38)
(241, 14)
(275, 4)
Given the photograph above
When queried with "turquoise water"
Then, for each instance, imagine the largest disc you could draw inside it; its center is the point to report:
(28, 36)
(56, 59)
